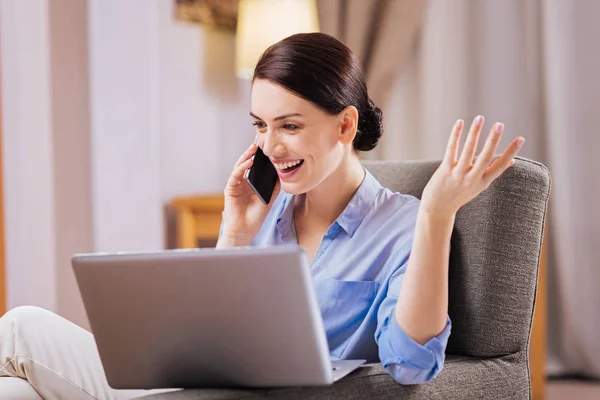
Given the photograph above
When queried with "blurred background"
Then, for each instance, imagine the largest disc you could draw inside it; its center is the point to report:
(121, 121)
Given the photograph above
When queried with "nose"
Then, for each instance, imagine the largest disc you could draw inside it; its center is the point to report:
(271, 143)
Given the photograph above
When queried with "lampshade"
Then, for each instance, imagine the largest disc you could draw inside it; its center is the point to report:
(262, 23)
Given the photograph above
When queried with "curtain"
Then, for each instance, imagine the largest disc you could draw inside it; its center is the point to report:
(381, 33)
(535, 66)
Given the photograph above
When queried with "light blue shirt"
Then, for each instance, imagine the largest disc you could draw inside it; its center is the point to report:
(358, 273)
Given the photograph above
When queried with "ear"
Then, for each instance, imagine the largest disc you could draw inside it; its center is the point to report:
(348, 118)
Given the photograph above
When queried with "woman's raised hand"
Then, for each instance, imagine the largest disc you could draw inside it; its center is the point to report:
(458, 181)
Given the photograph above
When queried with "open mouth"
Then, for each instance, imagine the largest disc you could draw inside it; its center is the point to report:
(290, 167)
(294, 167)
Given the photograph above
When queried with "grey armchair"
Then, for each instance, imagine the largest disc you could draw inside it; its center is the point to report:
(495, 252)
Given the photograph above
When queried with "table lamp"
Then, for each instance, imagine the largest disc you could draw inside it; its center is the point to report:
(262, 23)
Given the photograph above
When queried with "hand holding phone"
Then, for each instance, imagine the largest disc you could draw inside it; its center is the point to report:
(248, 198)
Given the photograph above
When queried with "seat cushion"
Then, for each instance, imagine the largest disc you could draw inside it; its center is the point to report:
(462, 378)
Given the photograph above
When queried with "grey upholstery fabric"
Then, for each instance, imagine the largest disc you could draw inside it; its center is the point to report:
(495, 252)
(463, 378)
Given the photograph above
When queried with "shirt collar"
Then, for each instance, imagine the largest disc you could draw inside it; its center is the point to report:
(352, 216)
(286, 217)
(360, 204)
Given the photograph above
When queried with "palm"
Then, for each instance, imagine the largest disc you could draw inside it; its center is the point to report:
(247, 208)
(458, 181)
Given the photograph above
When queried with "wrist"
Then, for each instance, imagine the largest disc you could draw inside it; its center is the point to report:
(228, 240)
(436, 215)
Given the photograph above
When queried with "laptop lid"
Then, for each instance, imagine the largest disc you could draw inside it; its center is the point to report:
(244, 317)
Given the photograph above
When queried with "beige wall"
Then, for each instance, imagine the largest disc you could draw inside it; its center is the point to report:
(111, 109)
(71, 147)
(125, 135)
(46, 151)
(27, 154)
(204, 109)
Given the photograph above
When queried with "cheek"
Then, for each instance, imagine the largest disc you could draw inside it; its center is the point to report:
(316, 144)
(326, 143)
(323, 137)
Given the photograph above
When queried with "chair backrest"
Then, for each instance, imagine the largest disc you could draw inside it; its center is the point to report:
(494, 256)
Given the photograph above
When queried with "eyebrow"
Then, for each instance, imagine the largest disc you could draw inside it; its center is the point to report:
(284, 116)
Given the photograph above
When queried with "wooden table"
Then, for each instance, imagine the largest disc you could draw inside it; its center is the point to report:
(198, 220)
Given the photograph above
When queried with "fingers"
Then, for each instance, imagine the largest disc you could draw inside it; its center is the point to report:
(504, 161)
(466, 158)
(487, 154)
(238, 172)
(246, 155)
(452, 147)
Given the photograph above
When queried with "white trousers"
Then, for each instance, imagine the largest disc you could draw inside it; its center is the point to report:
(44, 356)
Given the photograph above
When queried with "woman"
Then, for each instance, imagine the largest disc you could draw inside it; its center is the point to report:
(379, 259)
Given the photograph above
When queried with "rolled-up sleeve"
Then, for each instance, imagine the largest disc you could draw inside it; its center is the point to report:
(407, 361)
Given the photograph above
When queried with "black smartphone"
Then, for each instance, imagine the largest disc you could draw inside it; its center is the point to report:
(262, 176)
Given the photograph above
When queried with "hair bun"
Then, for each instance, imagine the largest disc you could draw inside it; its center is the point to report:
(370, 128)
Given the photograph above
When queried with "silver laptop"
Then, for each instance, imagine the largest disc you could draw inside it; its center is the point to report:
(245, 317)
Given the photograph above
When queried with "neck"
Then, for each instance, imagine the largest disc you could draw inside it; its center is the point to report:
(328, 200)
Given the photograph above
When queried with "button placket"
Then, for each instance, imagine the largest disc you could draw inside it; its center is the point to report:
(327, 239)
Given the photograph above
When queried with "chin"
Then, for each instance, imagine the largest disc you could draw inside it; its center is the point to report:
(292, 188)
(301, 185)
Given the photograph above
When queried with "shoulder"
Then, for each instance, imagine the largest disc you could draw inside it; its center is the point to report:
(396, 206)
(386, 202)
(391, 219)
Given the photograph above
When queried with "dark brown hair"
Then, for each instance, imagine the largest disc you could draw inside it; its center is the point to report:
(324, 71)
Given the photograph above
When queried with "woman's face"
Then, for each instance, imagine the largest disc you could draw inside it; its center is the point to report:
(304, 143)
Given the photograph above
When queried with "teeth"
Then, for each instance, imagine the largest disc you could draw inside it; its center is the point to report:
(282, 166)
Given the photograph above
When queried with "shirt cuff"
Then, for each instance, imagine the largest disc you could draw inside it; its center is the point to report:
(424, 356)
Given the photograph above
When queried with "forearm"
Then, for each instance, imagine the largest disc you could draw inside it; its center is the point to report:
(422, 305)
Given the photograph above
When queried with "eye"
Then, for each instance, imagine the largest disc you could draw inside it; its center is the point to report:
(259, 124)
(290, 127)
